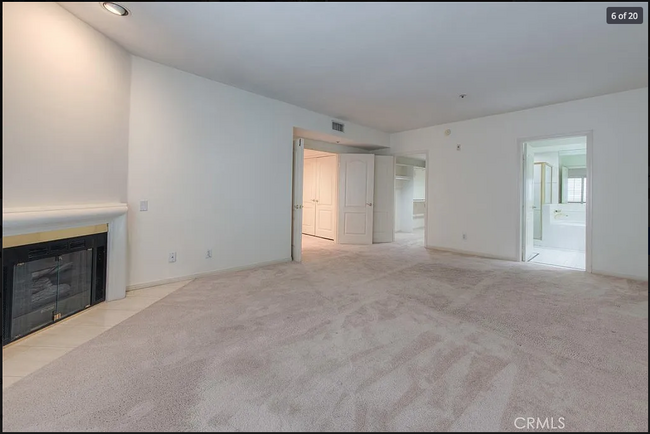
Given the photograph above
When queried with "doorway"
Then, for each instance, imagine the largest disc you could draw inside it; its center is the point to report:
(556, 201)
(411, 198)
(319, 194)
(333, 195)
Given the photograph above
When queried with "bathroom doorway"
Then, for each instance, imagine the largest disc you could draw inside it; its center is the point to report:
(410, 198)
(556, 201)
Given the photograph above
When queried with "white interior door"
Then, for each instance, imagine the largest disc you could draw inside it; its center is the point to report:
(325, 196)
(356, 193)
(296, 208)
(383, 214)
(529, 202)
(309, 197)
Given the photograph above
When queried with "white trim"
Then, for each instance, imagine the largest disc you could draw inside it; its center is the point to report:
(205, 274)
(521, 230)
(622, 276)
(427, 202)
(589, 216)
(521, 201)
(470, 253)
(337, 170)
(297, 167)
(19, 221)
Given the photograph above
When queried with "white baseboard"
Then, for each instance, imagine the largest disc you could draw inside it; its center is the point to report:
(504, 258)
(622, 276)
(206, 273)
(470, 253)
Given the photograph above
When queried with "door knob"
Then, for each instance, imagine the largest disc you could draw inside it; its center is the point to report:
(369, 203)
(316, 200)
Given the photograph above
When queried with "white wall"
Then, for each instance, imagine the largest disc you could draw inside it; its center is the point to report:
(404, 200)
(215, 164)
(65, 109)
(573, 160)
(476, 191)
(419, 181)
(419, 195)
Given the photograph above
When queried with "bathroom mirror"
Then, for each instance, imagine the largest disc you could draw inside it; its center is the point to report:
(573, 176)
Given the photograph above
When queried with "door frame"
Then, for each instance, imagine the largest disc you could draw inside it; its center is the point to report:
(521, 191)
(427, 194)
(299, 164)
(297, 171)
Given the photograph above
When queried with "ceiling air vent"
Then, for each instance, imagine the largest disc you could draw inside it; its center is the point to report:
(337, 126)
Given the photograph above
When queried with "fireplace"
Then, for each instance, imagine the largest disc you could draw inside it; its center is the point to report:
(45, 282)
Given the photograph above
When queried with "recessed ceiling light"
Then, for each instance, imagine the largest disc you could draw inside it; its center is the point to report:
(115, 9)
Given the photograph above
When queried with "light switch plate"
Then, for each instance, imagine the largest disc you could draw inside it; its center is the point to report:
(144, 205)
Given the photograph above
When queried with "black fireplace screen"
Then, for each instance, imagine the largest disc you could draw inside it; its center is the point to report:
(46, 282)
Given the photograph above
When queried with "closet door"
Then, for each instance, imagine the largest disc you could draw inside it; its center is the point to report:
(325, 196)
(309, 197)
(383, 224)
(356, 192)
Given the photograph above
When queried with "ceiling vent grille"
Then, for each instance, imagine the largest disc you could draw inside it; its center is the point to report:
(337, 126)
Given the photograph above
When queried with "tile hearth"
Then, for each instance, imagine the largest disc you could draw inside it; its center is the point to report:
(32, 352)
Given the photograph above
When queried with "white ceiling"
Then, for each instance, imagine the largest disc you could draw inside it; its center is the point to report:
(566, 145)
(322, 137)
(391, 66)
(421, 157)
(412, 160)
(310, 153)
(560, 143)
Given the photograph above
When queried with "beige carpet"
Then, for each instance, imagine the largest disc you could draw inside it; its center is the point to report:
(383, 337)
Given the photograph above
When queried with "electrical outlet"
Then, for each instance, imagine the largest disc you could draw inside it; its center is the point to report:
(464, 236)
(208, 254)
(458, 147)
(172, 257)
(144, 205)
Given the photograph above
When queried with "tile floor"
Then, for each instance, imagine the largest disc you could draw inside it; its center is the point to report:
(32, 352)
(559, 257)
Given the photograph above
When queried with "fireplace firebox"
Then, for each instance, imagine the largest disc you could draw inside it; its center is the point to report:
(45, 282)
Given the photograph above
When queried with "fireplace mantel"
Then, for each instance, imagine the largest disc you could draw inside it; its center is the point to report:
(19, 221)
